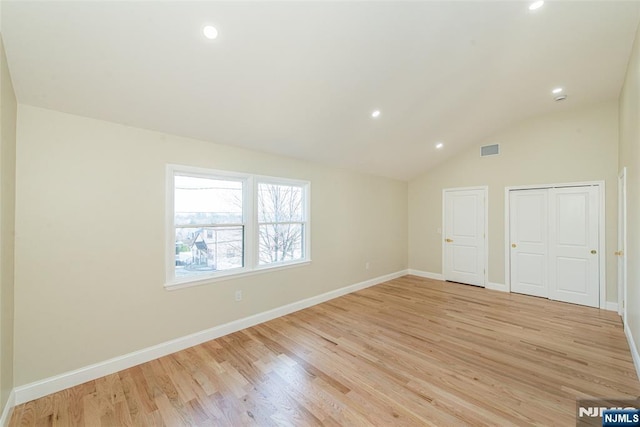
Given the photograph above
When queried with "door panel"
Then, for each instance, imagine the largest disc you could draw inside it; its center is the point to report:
(465, 259)
(464, 210)
(464, 234)
(531, 269)
(571, 214)
(572, 275)
(528, 214)
(573, 245)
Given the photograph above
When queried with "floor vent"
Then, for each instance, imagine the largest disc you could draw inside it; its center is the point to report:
(490, 150)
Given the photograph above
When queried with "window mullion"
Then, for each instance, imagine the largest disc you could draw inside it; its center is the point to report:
(281, 222)
(250, 228)
(231, 225)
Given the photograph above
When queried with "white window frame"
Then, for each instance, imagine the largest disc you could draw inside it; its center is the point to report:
(250, 220)
(306, 247)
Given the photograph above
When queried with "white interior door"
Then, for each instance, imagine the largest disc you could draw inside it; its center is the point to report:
(464, 236)
(528, 217)
(621, 253)
(573, 245)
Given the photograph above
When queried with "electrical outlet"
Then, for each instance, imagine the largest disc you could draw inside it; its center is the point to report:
(366, 265)
(238, 295)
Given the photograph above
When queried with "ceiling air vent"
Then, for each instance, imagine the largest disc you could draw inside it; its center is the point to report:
(489, 150)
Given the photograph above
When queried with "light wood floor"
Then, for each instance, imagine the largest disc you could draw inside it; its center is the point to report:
(410, 351)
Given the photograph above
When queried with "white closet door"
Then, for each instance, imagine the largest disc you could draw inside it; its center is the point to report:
(573, 244)
(464, 233)
(528, 213)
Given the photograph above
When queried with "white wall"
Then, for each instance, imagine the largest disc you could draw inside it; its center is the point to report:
(90, 240)
(8, 110)
(569, 146)
(630, 158)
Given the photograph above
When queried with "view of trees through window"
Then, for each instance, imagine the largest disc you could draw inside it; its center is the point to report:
(280, 223)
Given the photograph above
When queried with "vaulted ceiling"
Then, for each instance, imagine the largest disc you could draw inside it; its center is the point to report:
(301, 79)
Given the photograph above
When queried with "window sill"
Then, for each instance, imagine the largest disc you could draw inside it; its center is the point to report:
(188, 283)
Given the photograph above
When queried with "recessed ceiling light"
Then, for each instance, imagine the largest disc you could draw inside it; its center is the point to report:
(439, 145)
(556, 90)
(536, 5)
(210, 32)
(375, 114)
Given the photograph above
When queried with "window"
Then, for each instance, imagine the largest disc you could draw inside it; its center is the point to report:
(281, 223)
(208, 218)
(222, 224)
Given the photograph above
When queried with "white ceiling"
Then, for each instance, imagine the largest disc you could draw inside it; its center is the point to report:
(302, 78)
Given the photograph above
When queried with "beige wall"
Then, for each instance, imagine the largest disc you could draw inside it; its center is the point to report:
(629, 157)
(567, 146)
(90, 240)
(7, 224)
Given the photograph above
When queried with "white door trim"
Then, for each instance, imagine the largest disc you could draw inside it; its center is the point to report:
(601, 231)
(485, 189)
(622, 235)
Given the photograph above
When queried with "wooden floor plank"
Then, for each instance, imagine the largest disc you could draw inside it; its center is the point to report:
(411, 351)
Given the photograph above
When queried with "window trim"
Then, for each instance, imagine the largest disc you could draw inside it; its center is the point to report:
(251, 226)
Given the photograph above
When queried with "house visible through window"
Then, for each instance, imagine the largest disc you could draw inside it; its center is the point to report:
(225, 223)
(208, 219)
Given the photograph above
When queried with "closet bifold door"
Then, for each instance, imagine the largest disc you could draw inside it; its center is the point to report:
(573, 245)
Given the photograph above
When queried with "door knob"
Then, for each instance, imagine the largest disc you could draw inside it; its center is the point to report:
(448, 240)
(593, 251)
(618, 253)
(513, 245)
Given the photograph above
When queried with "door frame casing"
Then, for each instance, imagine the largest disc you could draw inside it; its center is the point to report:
(622, 235)
(602, 297)
(485, 189)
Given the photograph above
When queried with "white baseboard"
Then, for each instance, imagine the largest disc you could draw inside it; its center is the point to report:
(426, 274)
(611, 306)
(8, 409)
(65, 380)
(438, 276)
(497, 287)
(634, 350)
